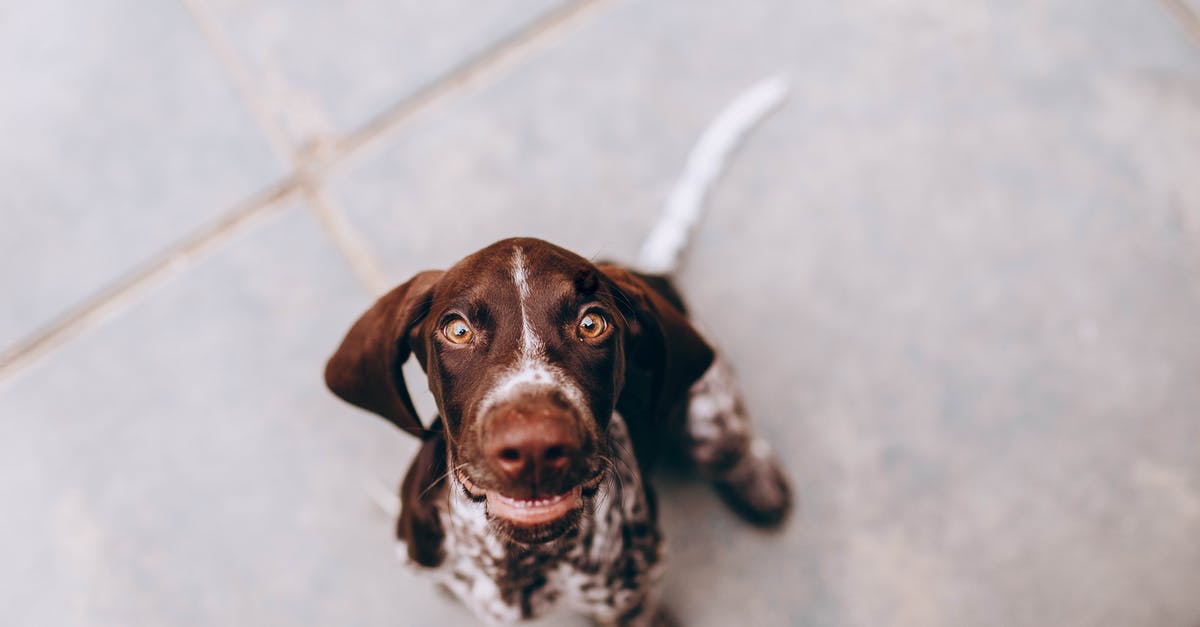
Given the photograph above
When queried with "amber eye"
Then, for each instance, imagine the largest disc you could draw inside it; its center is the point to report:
(592, 326)
(458, 331)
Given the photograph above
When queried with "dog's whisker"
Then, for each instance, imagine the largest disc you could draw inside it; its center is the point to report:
(440, 478)
(627, 454)
(617, 481)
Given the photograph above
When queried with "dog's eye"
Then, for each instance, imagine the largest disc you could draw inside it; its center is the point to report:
(458, 331)
(592, 326)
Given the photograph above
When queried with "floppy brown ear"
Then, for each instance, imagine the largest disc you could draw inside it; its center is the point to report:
(366, 369)
(667, 352)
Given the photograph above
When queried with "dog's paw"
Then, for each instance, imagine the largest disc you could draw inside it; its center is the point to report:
(757, 489)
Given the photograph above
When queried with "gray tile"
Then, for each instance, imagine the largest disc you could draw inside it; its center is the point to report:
(958, 273)
(184, 465)
(333, 66)
(121, 135)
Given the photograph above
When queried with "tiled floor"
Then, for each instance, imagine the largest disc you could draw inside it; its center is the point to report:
(959, 273)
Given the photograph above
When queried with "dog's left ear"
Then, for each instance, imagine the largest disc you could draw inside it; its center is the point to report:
(366, 369)
(666, 349)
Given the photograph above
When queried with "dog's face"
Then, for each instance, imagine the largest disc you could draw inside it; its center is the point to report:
(526, 367)
(527, 348)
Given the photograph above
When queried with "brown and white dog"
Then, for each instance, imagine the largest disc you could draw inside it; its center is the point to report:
(558, 383)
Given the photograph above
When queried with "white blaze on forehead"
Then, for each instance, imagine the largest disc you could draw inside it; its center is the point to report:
(531, 367)
(531, 344)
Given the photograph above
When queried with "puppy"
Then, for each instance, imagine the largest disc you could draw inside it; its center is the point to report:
(558, 384)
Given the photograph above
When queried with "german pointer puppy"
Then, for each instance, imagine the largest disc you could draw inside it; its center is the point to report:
(558, 383)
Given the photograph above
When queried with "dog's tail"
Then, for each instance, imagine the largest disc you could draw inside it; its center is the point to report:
(662, 249)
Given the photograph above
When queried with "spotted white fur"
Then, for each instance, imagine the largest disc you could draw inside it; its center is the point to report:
(717, 424)
(607, 570)
(720, 438)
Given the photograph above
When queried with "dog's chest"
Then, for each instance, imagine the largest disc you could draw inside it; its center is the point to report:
(605, 568)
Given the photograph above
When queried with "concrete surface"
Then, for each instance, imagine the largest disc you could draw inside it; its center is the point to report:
(122, 134)
(959, 273)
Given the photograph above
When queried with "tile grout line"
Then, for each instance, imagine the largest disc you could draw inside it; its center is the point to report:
(307, 161)
(211, 31)
(142, 279)
(348, 240)
(1185, 14)
(95, 308)
(487, 63)
(318, 159)
(344, 238)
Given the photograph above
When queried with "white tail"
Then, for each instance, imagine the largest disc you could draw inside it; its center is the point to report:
(662, 248)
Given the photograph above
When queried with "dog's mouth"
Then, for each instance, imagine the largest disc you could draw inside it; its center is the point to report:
(531, 512)
(537, 520)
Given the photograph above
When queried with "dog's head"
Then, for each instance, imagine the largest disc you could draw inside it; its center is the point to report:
(528, 349)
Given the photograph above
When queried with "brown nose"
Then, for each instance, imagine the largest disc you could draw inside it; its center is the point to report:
(532, 442)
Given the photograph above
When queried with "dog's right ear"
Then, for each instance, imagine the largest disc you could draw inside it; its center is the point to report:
(366, 369)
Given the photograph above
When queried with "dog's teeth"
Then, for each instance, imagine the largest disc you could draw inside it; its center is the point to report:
(527, 503)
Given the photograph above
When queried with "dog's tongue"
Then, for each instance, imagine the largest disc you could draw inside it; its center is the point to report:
(533, 512)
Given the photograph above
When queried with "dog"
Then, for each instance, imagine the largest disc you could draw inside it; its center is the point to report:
(559, 384)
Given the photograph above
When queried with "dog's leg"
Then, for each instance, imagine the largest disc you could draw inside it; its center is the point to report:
(719, 440)
(424, 486)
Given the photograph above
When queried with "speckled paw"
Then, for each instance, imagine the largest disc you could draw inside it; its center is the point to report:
(759, 492)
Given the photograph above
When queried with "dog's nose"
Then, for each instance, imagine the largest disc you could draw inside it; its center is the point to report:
(532, 444)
